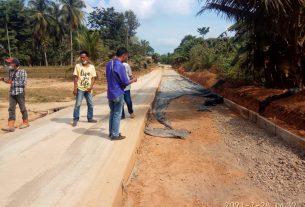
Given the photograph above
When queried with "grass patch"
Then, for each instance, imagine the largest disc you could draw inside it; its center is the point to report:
(44, 95)
(46, 72)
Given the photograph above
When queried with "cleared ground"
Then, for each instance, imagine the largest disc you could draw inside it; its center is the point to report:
(47, 90)
(226, 161)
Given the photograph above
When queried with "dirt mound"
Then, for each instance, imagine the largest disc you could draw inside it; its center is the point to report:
(204, 78)
(291, 110)
(288, 112)
(248, 96)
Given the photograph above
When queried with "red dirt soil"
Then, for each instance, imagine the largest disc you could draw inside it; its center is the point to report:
(198, 171)
(287, 112)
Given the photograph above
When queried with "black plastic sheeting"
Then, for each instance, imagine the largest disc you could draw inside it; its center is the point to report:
(172, 87)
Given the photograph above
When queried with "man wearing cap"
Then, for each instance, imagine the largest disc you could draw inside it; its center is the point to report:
(17, 79)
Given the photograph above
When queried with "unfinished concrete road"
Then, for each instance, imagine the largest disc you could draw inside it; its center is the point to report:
(53, 164)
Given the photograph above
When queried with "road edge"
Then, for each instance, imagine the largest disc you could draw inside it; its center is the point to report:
(119, 197)
(262, 122)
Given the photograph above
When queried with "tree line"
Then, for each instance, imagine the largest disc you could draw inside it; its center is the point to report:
(46, 32)
(268, 46)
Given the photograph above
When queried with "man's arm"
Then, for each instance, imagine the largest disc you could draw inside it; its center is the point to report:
(92, 84)
(6, 80)
(133, 80)
(92, 79)
(123, 76)
(75, 74)
(129, 71)
(75, 85)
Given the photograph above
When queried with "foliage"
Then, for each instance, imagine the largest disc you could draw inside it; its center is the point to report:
(273, 33)
(203, 31)
(44, 32)
(268, 46)
(90, 41)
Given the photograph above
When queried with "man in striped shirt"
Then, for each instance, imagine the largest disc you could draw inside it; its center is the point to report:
(17, 79)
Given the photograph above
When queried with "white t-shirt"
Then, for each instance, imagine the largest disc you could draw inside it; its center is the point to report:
(84, 74)
(129, 74)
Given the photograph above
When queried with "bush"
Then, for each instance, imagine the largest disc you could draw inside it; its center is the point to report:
(201, 57)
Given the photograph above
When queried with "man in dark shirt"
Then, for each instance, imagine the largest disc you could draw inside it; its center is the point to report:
(17, 79)
(117, 81)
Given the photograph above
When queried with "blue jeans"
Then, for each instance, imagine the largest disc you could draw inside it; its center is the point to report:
(127, 99)
(79, 98)
(116, 107)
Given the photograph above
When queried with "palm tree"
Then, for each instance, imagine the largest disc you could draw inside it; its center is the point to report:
(145, 46)
(90, 42)
(58, 29)
(40, 19)
(274, 32)
(73, 16)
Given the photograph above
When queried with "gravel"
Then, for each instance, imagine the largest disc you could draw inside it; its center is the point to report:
(275, 166)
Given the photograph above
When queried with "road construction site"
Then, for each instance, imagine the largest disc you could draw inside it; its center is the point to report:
(222, 159)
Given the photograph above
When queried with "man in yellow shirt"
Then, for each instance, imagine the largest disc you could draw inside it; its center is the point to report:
(84, 79)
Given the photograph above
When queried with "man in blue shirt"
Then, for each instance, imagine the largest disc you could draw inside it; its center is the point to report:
(117, 81)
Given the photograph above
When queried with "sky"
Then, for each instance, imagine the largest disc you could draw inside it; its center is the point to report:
(164, 23)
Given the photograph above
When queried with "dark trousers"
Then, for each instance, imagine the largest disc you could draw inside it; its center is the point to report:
(127, 99)
(13, 101)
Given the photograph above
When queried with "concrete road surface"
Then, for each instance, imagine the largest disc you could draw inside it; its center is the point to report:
(53, 164)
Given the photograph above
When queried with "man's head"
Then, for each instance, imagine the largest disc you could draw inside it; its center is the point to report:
(122, 54)
(13, 62)
(84, 57)
(112, 56)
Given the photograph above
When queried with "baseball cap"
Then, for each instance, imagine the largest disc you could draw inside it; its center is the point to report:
(13, 60)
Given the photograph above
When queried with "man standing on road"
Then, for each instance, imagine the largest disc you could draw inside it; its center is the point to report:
(84, 79)
(117, 82)
(127, 95)
(17, 78)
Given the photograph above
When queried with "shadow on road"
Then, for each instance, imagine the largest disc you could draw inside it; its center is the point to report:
(62, 120)
(95, 132)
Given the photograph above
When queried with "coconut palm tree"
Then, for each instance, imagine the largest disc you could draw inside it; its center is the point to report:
(90, 42)
(58, 28)
(73, 16)
(40, 19)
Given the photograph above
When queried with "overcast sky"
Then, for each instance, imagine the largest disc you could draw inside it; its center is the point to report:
(165, 22)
